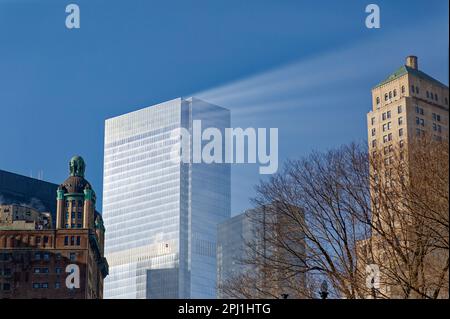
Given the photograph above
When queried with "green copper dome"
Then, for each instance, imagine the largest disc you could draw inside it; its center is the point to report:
(77, 166)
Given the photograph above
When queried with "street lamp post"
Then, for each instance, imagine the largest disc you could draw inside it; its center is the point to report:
(323, 290)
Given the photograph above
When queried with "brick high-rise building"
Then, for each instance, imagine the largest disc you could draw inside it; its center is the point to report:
(45, 263)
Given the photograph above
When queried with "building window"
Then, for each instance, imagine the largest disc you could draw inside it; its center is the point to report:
(373, 132)
(72, 256)
(385, 139)
(400, 120)
(402, 155)
(72, 240)
(395, 93)
(58, 270)
(67, 225)
(428, 94)
(78, 240)
(67, 215)
(373, 120)
(390, 95)
(434, 127)
(58, 256)
(386, 150)
(383, 116)
(412, 88)
(399, 109)
(439, 128)
(388, 114)
(386, 97)
(37, 256)
(419, 110)
(79, 225)
(374, 143)
(436, 97)
(446, 101)
(57, 285)
(420, 121)
(45, 239)
(378, 100)
(36, 285)
(400, 132)
(38, 240)
(37, 270)
(66, 240)
(417, 89)
(401, 143)
(79, 216)
(436, 117)
(403, 89)
(46, 256)
(44, 285)
(6, 286)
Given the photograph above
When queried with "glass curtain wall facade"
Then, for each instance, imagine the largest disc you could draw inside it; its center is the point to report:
(162, 215)
(233, 236)
(237, 239)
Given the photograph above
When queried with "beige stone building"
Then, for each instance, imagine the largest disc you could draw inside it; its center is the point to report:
(23, 217)
(407, 105)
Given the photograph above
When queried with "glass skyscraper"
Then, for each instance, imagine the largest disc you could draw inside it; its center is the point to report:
(161, 215)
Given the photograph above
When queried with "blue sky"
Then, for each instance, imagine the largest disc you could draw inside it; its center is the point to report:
(302, 66)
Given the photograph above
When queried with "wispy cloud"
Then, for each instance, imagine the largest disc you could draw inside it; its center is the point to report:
(301, 82)
(301, 96)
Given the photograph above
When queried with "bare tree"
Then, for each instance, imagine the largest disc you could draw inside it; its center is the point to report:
(330, 215)
(410, 226)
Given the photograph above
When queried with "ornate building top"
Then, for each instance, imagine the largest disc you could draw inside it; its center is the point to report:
(77, 166)
(76, 183)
